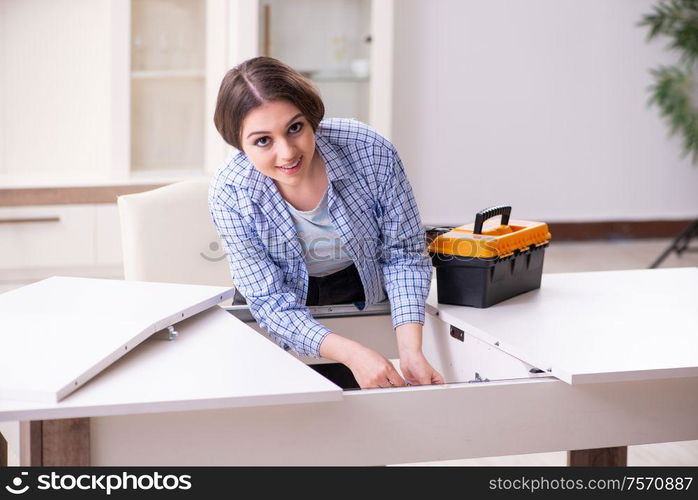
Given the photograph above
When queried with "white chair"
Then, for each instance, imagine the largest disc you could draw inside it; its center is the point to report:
(168, 236)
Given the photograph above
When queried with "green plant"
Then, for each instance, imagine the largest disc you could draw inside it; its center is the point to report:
(674, 90)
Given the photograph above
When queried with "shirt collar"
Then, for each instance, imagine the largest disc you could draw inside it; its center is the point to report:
(336, 168)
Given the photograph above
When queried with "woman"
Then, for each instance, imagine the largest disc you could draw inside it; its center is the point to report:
(317, 212)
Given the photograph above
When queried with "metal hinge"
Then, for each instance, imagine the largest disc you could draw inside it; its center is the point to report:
(477, 379)
(169, 334)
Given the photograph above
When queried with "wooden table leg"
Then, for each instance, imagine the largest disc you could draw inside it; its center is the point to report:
(63, 442)
(3, 451)
(600, 457)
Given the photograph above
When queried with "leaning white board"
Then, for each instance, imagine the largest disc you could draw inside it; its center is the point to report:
(216, 361)
(606, 326)
(58, 333)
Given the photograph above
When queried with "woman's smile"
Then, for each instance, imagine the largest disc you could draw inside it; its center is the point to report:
(291, 168)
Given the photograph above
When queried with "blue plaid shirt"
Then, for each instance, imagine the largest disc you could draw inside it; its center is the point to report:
(372, 209)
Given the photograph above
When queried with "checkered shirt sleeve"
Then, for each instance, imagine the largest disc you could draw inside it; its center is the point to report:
(272, 302)
(406, 265)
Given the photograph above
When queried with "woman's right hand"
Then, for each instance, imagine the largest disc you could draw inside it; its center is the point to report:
(370, 369)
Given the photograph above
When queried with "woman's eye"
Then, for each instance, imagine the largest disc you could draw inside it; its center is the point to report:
(262, 141)
(296, 127)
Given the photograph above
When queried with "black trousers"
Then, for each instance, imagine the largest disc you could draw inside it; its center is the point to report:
(342, 287)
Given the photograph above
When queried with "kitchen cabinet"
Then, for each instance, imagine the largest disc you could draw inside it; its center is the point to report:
(181, 49)
(134, 82)
(134, 89)
(167, 86)
(59, 236)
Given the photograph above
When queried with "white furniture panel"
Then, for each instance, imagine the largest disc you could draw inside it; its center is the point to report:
(469, 359)
(219, 362)
(58, 333)
(403, 425)
(216, 361)
(595, 327)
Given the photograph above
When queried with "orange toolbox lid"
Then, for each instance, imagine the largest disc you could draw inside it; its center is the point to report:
(487, 241)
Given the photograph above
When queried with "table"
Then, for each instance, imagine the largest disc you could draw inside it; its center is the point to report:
(221, 394)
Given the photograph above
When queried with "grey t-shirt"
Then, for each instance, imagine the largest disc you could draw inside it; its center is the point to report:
(323, 251)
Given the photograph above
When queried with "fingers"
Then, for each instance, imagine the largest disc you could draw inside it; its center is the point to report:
(418, 371)
(394, 378)
(372, 370)
(425, 378)
(390, 379)
(385, 379)
(434, 378)
(431, 378)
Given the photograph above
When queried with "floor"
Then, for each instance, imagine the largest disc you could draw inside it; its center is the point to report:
(560, 257)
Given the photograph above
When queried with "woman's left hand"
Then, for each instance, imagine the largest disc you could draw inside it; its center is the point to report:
(416, 370)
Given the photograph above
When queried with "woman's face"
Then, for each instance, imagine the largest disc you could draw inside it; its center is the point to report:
(279, 142)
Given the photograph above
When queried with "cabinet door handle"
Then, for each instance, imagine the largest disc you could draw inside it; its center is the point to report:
(30, 219)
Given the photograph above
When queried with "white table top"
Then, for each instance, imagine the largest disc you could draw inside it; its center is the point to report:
(597, 326)
(58, 333)
(217, 361)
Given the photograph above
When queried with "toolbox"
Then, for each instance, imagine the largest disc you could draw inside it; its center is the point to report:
(480, 265)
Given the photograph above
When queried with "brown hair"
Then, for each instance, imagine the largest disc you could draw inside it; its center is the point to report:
(256, 81)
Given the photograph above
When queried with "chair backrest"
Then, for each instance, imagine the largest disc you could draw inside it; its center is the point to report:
(168, 236)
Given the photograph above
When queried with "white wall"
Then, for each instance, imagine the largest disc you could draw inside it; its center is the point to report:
(541, 104)
(55, 81)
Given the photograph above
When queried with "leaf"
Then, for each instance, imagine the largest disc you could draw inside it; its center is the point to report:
(674, 86)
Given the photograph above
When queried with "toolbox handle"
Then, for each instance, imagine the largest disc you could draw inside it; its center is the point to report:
(488, 213)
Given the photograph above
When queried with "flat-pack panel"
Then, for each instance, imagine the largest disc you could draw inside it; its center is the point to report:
(58, 333)
(215, 362)
(606, 326)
